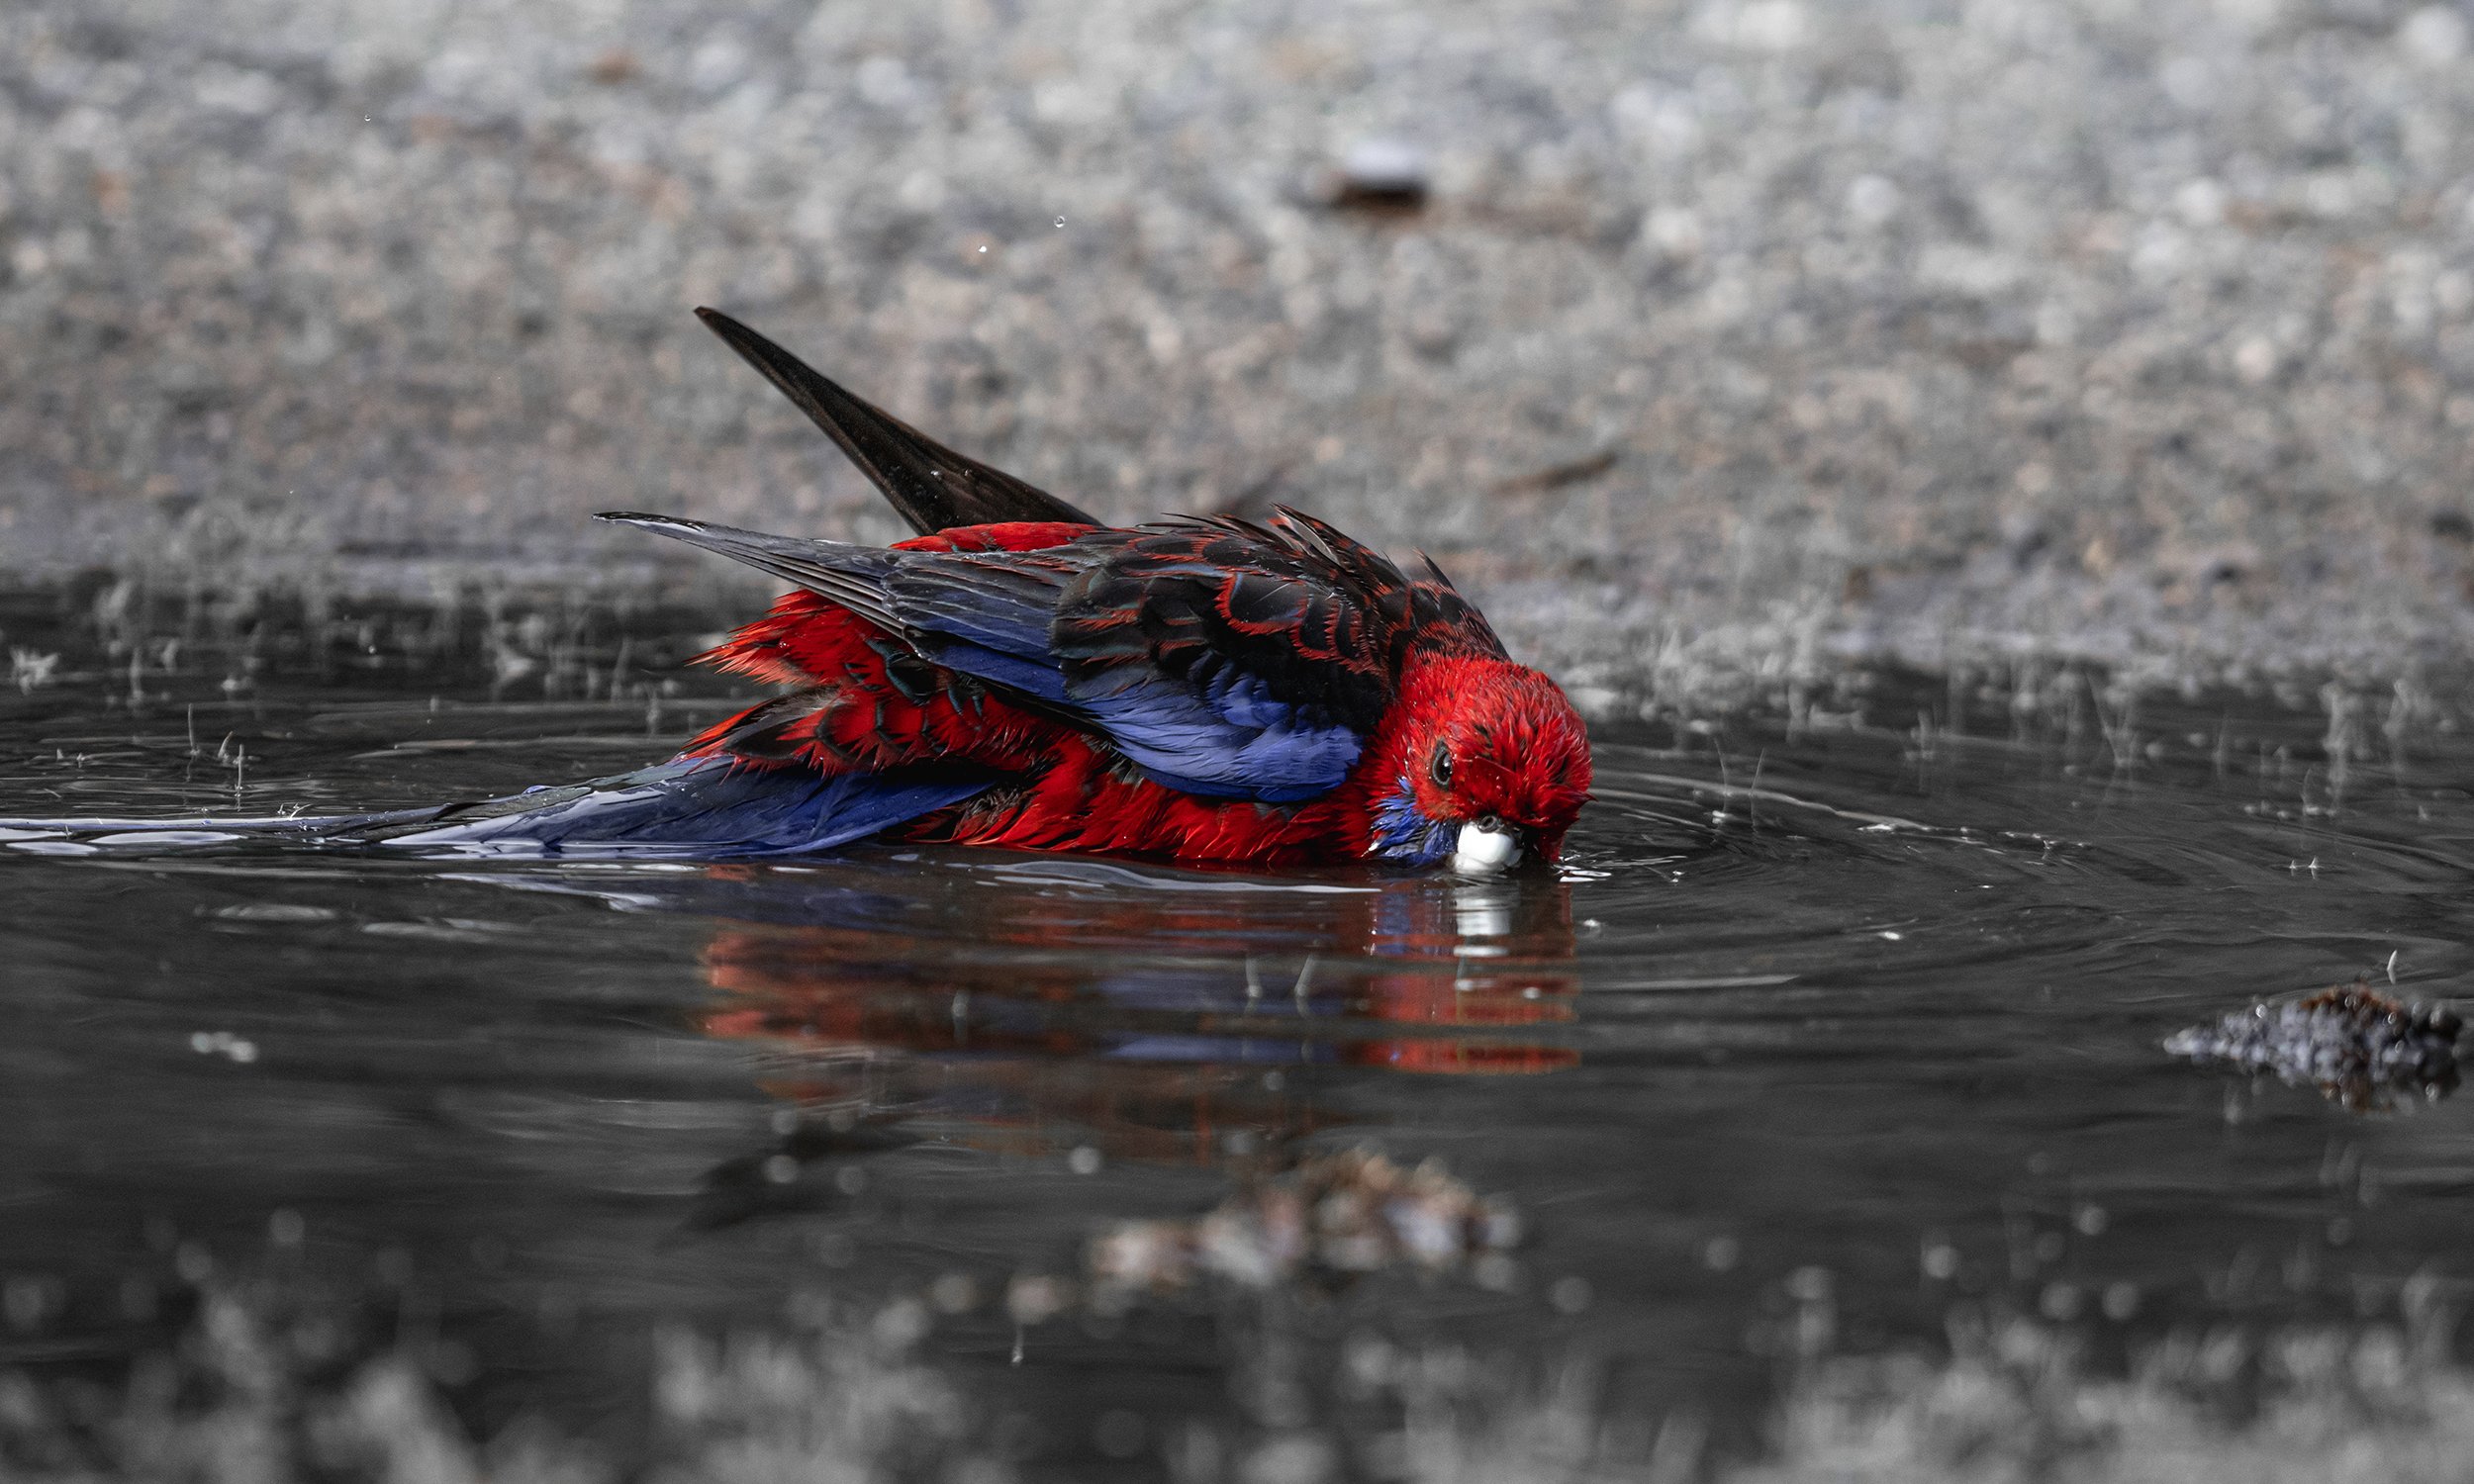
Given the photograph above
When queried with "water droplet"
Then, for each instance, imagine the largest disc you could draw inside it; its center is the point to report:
(1061, 220)
(982, 247)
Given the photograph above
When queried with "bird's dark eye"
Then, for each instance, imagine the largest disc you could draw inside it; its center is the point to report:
(1441, 769)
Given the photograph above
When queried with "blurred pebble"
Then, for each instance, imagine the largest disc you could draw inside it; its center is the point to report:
(954, 1293)
(2059, 1302)
(1381, 174)
(1034, 1298)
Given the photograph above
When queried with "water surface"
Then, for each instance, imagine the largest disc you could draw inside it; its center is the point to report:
(1836, 1017)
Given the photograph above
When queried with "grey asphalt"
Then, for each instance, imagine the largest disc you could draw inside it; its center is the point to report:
(1729, 340)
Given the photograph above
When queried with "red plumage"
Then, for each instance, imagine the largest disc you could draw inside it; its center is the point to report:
(1521, 753)
(1203, 691)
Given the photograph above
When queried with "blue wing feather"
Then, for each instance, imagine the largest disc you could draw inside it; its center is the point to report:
(1217, 729)
(706, 808)
(1228, 740)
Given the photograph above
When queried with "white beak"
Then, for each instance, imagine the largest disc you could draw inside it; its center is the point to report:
(1483, 851)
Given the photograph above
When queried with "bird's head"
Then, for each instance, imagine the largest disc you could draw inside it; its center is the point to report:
(1494, 749)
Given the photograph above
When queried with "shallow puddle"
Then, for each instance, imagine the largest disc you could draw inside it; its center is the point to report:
(1834, 1020)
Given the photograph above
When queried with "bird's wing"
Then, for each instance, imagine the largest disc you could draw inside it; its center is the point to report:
(934, 488)
(1222, 658)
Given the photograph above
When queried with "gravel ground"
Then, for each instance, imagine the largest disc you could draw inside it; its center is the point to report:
(1731, 338)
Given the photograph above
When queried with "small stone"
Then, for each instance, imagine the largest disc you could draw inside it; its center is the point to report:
(1380, 176)
(2434, 36)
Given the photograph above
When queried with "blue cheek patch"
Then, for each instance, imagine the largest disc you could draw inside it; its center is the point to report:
(1402, 832)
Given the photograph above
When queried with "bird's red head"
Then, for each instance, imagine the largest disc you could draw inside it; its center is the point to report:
(1484, 737)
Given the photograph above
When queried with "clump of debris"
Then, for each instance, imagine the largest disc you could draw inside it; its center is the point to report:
(2359, 1047)
(1335, 1215)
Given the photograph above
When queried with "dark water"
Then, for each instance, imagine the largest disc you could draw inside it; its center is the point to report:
(1836, 1018)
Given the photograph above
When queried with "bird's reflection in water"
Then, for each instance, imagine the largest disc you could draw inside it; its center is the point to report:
(1142, 1015)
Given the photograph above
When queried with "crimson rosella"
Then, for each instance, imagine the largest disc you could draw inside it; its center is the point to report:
(1019, 674)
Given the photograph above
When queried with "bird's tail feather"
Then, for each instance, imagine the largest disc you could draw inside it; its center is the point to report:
(688, 808)
(705, 808)
(934, 488)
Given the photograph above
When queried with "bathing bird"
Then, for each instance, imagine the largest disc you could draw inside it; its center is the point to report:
(1198, 690)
